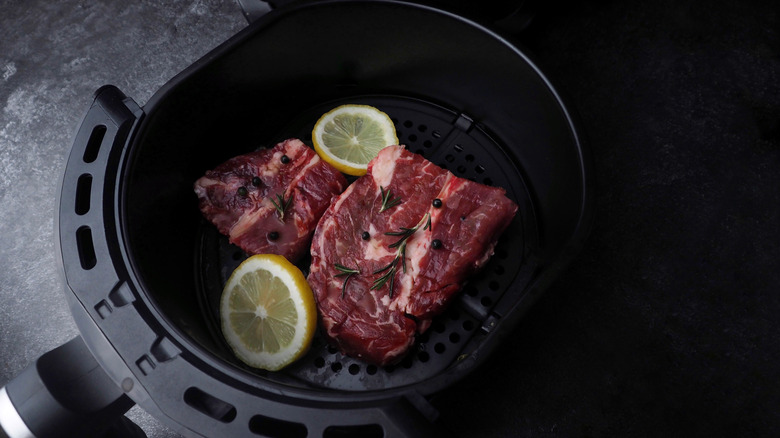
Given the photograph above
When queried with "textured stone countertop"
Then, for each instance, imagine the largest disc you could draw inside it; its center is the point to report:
(665, 325)
(53, 56)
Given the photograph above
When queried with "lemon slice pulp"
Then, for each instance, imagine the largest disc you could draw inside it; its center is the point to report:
(349, 136)
(268, 312)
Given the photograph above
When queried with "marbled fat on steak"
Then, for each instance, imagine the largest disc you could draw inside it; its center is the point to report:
(269, 201)
(444, 229)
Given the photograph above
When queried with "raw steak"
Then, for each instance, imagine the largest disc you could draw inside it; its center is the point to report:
(445, 228)
(239, 196)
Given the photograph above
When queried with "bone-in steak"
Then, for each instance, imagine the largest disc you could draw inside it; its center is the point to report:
(381, 274)
(269, 201)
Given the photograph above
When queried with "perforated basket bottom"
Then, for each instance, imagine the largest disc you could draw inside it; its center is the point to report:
(454, 142)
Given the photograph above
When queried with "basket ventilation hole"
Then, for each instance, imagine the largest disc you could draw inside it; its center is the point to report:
(93, 144)
(362, 431)
(83, 190)
(86, 248)
(354, 369)
(336, 367)
(209, 405)
(275, 428)
(439, 348)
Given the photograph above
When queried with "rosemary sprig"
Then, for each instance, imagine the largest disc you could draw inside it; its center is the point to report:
(345, 272)
(387, 199)
(389, 275)
(282, 206)
(400, 254)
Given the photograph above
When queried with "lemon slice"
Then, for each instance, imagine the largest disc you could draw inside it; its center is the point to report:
(349, 136)
(268, 312)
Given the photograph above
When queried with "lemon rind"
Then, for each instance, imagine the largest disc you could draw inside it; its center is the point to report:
(302, 297)
(349, 167)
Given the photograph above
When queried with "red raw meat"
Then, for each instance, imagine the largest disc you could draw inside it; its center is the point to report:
(439, 256)
(238, 198)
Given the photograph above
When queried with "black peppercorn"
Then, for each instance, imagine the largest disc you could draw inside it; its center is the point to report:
(365, 235)
(437, 203)
(285, 159)
(243, 192)
(256, 181)
(273, 235)
(436, 244)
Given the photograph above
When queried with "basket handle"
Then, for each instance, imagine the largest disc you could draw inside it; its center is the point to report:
(64, 393)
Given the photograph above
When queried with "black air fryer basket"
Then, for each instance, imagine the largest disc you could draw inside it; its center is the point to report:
(144, 271)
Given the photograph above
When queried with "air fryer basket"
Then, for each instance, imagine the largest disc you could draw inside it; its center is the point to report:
(452, 141)
(146, 271)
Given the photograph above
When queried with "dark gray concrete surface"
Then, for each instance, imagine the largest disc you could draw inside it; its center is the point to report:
(665, 325)
(53, 56)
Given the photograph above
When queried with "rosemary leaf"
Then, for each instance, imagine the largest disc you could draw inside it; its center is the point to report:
(379, 282)
(400, 254)
(390, 265)
(345, 272)
(282, 205)
(399, 243)
(398, 233)
(392, 285)
(387, 199)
